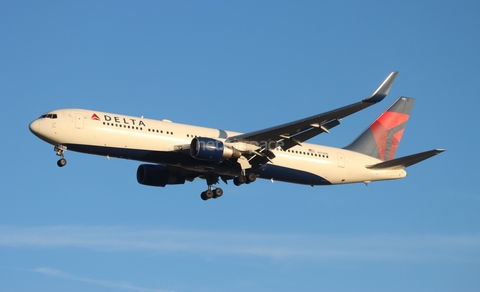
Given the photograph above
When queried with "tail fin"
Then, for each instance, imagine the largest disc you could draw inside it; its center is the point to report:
(381, 139)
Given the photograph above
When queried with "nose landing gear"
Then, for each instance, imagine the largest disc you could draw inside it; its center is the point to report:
(62, 162)
(60, 150)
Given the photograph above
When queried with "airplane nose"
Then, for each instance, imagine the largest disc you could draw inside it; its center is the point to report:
(34, 126)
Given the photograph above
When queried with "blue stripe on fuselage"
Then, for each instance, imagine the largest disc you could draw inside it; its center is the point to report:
(267, 171)
(167, 157)
(275, 172)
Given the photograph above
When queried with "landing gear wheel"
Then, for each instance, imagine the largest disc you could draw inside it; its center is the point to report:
(236, 181)
(242, 179)
(217, 193)
(209, 194)
(62, 162)
(203, 196)
(251, 177)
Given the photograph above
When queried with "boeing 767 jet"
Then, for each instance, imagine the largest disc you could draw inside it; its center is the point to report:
(174, 153)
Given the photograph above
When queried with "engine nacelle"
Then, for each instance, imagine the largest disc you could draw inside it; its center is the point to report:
(211, 150)
(157, 176)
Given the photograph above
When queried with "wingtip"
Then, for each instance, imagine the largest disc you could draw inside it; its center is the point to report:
(383, 89)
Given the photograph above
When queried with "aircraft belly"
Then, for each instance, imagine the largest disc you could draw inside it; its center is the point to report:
(285, 174)
(299, 170)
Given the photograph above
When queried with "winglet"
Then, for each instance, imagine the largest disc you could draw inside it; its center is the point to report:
(383, 90)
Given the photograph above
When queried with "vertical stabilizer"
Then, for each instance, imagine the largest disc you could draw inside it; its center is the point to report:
(381, 139)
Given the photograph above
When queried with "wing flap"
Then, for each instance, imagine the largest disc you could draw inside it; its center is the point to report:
(290, 141)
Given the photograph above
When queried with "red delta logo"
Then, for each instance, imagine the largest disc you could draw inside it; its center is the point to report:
(95, 117)
(387, 131)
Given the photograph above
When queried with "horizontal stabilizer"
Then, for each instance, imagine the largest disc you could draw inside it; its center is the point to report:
(403, 162)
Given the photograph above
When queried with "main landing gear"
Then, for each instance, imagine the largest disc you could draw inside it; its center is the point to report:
(60, 150)
(211, 193)
(244, 179)
(218, 192)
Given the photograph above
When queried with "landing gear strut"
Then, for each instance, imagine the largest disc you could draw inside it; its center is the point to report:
(60, 150)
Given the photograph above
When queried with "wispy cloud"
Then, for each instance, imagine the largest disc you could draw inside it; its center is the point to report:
(378, 247)
(103, 283)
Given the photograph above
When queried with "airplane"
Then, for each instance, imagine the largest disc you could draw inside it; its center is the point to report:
(174, 153)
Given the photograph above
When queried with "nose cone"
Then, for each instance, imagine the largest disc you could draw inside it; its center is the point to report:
(34, 127)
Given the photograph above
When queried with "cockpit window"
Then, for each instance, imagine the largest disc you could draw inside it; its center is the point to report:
(48, 116)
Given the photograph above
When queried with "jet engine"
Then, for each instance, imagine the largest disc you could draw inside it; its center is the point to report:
(212, 150)
(157, 176)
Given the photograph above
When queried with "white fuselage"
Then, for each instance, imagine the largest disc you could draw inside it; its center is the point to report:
(161, 142)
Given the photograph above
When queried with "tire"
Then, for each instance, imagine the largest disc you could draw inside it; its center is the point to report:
(62, 162)
(242, 179)
(217, 193)
(251, 177)
(209, 194)
(236, 182)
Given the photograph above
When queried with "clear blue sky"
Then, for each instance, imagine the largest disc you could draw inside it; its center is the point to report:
(240, 66)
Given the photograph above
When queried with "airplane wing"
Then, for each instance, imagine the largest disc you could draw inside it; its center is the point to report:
(296, 132)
